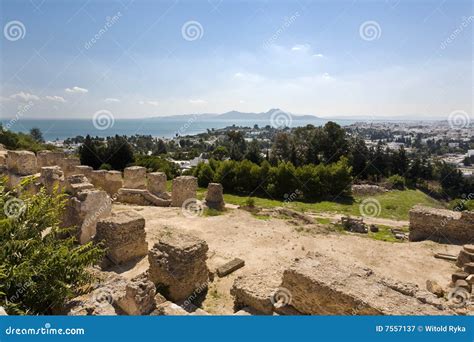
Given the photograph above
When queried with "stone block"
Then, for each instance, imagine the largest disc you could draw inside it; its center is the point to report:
(22, 163)
(98, 178)
(140, 197)
(215, 196)
(113, 182)
(139, 298)
(52, 177)
(184, 188)
(68, 165)
(156, 183)
(134, 177)
(230, 267)
(318, 285)
(169, 309)
(49, 158)
(124, 236)
(84, 170)
(178, 265)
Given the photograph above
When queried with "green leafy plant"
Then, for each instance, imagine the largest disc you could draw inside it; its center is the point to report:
(39, 268)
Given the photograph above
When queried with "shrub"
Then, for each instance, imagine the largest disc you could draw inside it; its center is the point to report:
(38, 269)
(396, 182)
(105, 166)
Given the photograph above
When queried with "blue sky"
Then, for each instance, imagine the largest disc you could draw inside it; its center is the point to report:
(306, 57)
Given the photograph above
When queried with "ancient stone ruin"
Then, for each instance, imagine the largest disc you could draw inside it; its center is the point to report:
(52, 177)
(156, 183)
(184, 188)
(123, 234)
(215, 197)
(441, 225)
(178, 265)
(134, 177)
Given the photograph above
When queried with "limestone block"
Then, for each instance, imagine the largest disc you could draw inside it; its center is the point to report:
(318, 285)
(52, 177)
(113, 182)
(184, 188)
(49, 158)
(256, 291)
(169, 309)
(2, 311)
(215, 196)
(22, 163)
(156, 183)
(98, 178)
(178, 265)
(77, 183)
(84, 170)
(140, 197)
(134, 177)
(124, 236)
(68, 165)
(139, 298)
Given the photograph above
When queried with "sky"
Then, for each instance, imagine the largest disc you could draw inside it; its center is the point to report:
(387, 58)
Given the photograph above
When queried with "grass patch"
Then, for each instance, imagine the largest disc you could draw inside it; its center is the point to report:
(261, 217)
(393, 204)
(212, 212)
(323, 220)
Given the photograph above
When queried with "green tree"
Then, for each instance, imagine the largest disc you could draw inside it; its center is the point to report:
(89, 154)
(253, 152)
(37, 135)
(119, 153)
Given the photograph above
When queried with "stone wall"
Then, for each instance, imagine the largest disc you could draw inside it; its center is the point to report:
(113, 182)
(156, 183)
(441, 225)
(318, 285)
(134, 177)
(52, 177)
(21, 163)
(178, 265)
(68, 165)
(84, 170)
(124, 236)
(184, 188)
(49, 158)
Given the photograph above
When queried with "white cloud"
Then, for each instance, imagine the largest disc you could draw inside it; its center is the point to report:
(111, 100)
(248, 77)
(301, 47)
(55, 98)
(197, 102)
(319, 55)
(21, 96)
(76, 90)
(151, 103)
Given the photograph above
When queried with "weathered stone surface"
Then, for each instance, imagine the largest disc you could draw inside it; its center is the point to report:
(84, 170)
(115, 295)
(22, 163)
(156, 183)
(140, 197)
(139, 298)
(441, 225)
(178, 265)
(352, 224)
(2, 311)
(68, 165)
(84, 210)
(230, 267)
(464, 257)
(169, 309)
(469, 267)
(184, 188)
(459, 275)
(98, 178)
(113, 182)
(49, 158)
(215, 196)
(367, 189)
(320, 286)
(124, 236)
(462, 284)
(433, 287)
(52, 177)
(256, 291)
(134, 177)
(77, 183)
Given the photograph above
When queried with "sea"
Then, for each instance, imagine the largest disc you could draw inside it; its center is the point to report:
(60, 129)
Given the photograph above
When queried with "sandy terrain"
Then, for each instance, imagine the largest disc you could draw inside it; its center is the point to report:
(268, 245)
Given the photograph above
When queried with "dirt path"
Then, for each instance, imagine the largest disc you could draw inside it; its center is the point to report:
(268, 245)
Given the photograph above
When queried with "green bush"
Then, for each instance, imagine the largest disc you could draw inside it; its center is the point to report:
(155, 163)
(39, 270)
(396, 182)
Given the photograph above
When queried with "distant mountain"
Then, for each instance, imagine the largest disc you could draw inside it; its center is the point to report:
(235, 115)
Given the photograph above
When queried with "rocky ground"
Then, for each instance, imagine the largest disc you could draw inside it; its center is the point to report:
(272, 244)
